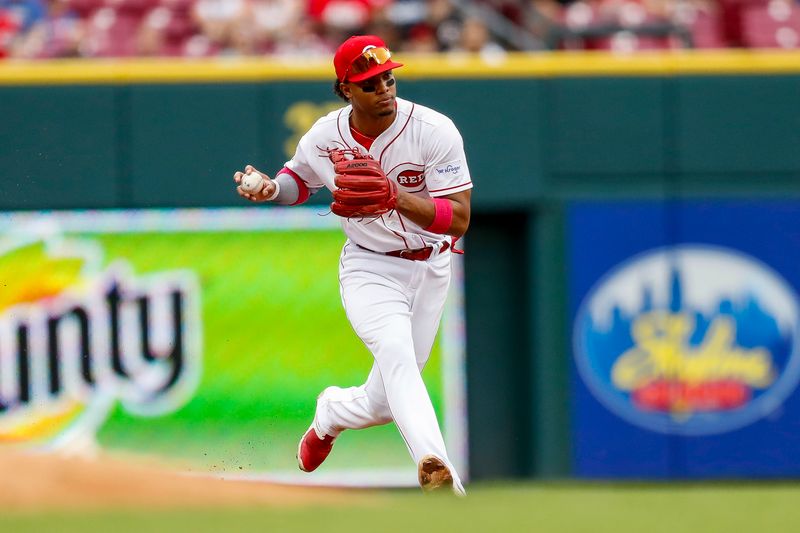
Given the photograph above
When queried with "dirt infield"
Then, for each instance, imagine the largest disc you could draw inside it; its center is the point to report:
(35, 482)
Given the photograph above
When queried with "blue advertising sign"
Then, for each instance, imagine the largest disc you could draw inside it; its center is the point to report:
(685, 338)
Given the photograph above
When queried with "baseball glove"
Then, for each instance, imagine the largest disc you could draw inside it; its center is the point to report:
(363, 190)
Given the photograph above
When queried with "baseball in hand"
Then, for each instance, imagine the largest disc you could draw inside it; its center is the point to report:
(252, 183)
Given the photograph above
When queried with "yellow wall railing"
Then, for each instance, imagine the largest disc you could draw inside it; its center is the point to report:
(513, 65)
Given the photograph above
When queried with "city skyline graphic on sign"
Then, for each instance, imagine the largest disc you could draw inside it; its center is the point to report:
(692, 340)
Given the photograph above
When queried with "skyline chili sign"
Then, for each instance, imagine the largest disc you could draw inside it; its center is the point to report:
(685, 332)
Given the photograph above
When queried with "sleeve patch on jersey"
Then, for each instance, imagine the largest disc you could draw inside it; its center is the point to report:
(453, 169)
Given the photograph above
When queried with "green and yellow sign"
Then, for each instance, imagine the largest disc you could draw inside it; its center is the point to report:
(200, 336)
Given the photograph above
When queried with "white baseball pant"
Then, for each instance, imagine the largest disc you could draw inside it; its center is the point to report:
(394, 306)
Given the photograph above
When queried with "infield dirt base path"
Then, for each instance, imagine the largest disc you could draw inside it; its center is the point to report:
(35, 482)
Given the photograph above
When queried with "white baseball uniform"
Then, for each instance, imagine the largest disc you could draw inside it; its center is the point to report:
(394, 304)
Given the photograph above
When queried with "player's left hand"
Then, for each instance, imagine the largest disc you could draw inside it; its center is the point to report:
(266, 191)
(362, 189)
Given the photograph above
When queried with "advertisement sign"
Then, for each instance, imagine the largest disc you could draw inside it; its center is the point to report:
(685, 339)
(200, 336)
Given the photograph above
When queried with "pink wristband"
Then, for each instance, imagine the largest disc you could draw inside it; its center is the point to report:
(443, 217)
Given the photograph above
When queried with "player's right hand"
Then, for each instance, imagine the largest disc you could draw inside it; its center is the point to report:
(266, 191)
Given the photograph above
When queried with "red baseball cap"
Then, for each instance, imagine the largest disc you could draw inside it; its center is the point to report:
(362, 56)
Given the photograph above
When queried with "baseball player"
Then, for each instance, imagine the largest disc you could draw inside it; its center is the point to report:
(400, 182)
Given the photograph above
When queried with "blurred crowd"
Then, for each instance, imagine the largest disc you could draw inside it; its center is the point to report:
(200, 28)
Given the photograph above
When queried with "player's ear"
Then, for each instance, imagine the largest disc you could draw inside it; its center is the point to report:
(345, 88)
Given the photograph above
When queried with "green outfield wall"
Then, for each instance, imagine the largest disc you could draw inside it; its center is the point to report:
(539, 132)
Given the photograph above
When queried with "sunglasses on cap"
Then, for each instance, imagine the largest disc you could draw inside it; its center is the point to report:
(370, 58)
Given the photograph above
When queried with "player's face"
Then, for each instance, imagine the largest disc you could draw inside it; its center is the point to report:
(375, 96)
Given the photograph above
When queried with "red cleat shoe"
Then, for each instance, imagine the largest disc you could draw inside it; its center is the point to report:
(312, 451)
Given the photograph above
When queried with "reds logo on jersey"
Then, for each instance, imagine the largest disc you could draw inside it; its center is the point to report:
(409, 175)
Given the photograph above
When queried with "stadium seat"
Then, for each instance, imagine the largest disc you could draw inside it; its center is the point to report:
(774, 25)
(627, 41)
(730, 18)
(84, 8)
(589, 18)
(131, 7)
(113, 34)
(8, 29)
(704, 25)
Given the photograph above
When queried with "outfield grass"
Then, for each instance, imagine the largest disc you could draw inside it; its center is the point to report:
(569, 507)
